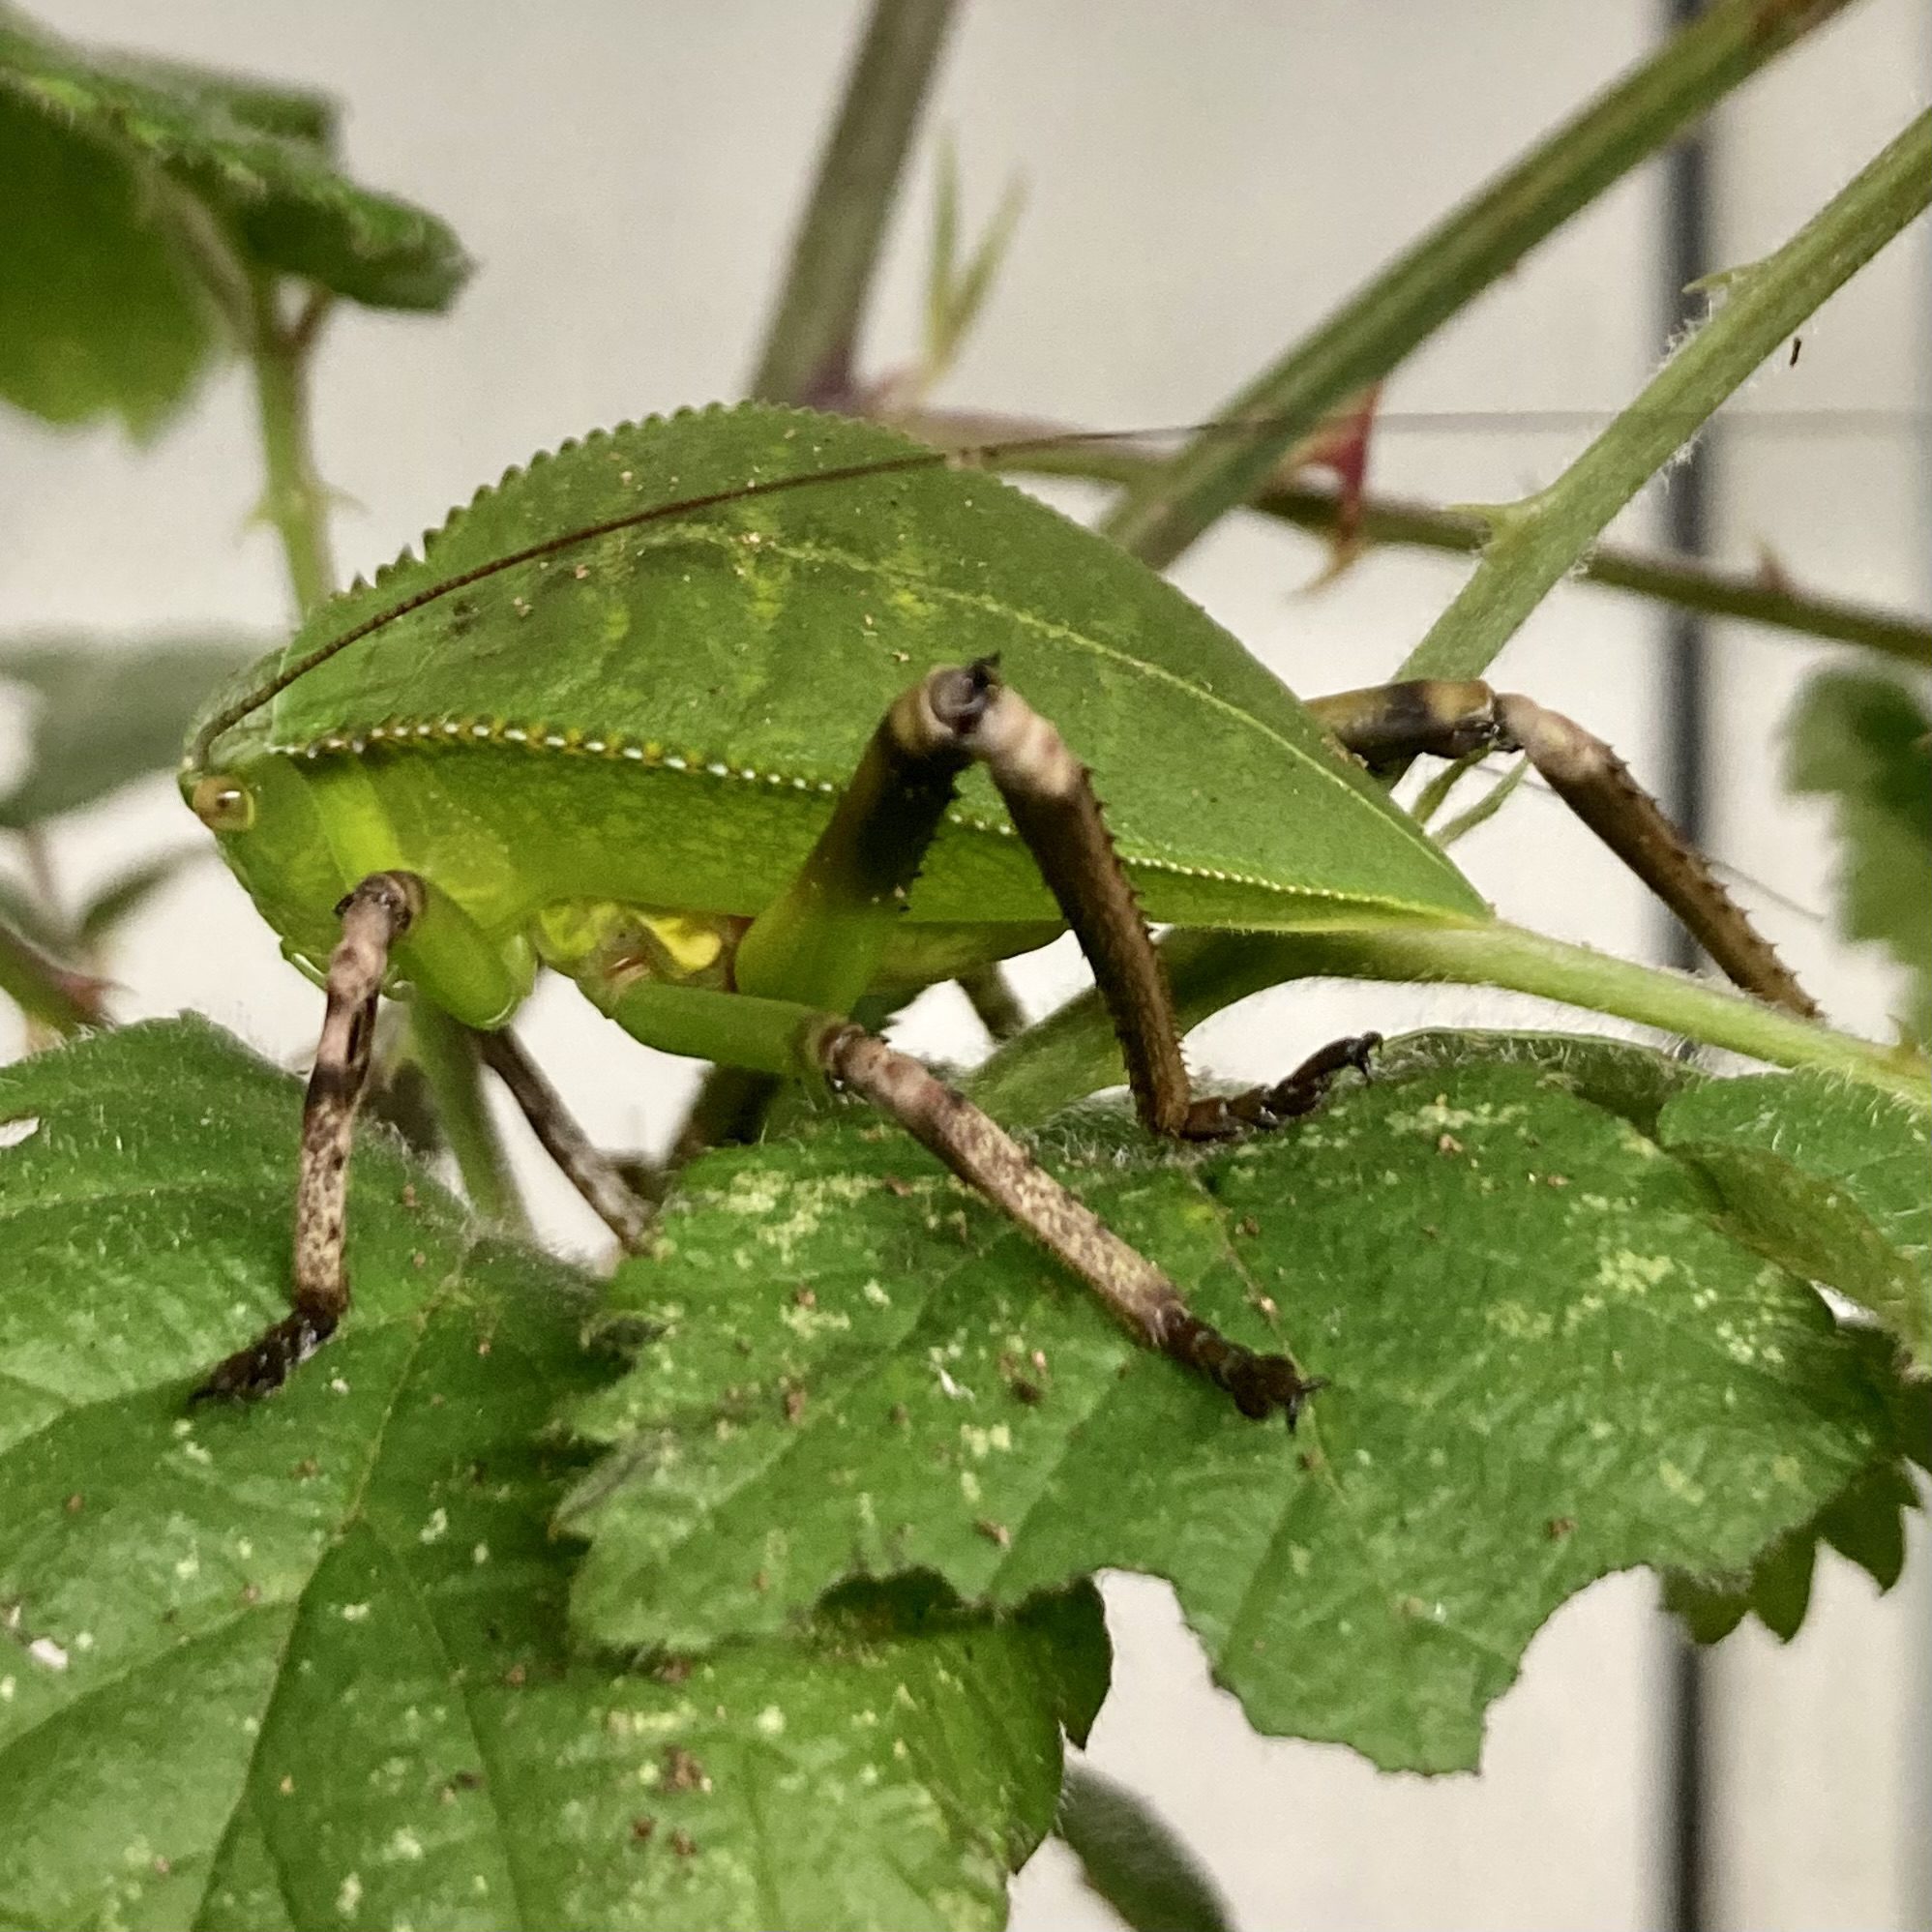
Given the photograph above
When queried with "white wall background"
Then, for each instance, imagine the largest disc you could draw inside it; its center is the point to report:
(1204, 183)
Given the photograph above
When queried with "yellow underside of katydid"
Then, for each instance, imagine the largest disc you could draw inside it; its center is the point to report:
(654, 724)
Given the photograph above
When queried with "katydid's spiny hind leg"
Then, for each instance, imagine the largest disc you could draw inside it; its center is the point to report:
(375, 916)
(818, 944)
(1050, 796)
(976, 1148)
(589, 1169)
(1389, 723)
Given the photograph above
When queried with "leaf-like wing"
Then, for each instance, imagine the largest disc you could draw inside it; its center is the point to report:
(741, 651)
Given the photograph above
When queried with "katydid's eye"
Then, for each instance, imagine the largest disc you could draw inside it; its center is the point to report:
(224, 804)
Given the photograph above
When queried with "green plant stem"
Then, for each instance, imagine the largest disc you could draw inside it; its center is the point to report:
(809, 347)
(294, 500)
(445, 1052)
(1538, 540)
(1074, 1052)
(1681, 581)
(1455, 261)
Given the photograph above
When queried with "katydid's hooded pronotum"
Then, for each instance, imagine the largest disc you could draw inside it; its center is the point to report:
(739, 717)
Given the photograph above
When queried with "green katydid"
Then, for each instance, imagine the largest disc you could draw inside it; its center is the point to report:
(623, 719)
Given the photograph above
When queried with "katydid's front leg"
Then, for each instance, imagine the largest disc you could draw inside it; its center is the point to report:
(1391, 723)
(375, 916)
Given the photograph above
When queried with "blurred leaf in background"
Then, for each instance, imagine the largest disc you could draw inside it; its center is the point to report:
(107, 712)
(152, 181)
(1865, 742)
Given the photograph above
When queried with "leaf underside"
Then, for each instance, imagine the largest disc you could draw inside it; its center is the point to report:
(303, 1664)
(1547, 1361)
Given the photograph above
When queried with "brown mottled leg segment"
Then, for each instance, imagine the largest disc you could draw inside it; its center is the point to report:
(1392, 723)
(987, 1158)
(375, 916)
(1051, 799)
(1304, 1090)
(592, 1173)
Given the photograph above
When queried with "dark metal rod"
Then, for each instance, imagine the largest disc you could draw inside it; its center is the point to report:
(1684, 694)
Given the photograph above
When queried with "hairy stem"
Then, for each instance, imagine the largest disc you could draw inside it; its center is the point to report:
(295, 501)
(1538, 540)
(1457, 260)
(1073, 1052)
(809, 348)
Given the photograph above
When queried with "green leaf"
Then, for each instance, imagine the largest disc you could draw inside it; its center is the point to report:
(1866, 743)
(1545, 1363)
(302, 1663)
(1827, 1178)
(1132, 1857)
(106, 714)
(955, 295)
(1865, 1522)
(99, 310)
(102, 308)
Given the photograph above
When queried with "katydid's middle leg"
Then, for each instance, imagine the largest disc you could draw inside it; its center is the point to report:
(819, 945)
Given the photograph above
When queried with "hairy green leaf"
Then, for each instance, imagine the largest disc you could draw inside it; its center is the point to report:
(301, 1664)
(99, 310)
(1826, 1177)
(1545, 1363)
(1865, 742)
(106, 714)
(102, 308)
(1865, 1522)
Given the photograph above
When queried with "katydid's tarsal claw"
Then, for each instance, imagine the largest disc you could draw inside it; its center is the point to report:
(1259, 1384)
(268, 1361)
(1262, 1108)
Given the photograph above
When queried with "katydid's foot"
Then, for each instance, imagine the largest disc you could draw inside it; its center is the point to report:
(268, 1361)
(1262, 1108)
(1259, 1384)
